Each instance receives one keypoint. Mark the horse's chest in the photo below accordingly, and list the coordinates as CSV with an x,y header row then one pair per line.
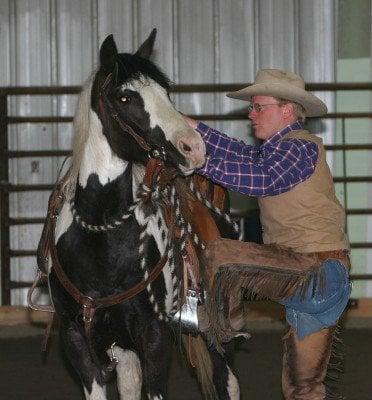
x,y
112,256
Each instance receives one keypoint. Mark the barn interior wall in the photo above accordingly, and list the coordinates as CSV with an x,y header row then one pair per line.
x,y
56,42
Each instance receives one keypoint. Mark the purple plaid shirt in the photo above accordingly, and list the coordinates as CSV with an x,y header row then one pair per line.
x,y
267,170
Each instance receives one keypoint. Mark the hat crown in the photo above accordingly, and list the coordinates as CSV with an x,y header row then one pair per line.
x,y
276,76
283,85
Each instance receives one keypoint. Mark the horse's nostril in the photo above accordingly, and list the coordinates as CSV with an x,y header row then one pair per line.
x,y
185,147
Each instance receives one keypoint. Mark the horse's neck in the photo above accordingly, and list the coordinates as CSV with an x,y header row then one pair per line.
x,y
96,202
104,186
98,157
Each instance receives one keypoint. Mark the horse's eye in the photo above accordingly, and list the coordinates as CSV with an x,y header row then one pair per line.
x,y
125,99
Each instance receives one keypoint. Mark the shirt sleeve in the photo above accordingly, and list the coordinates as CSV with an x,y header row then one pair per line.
x,y
277,169
221,146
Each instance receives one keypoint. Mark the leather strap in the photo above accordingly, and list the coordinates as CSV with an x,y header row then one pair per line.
x,y
107,301
215,193
113,113
47,246
339,254
196,213
54,207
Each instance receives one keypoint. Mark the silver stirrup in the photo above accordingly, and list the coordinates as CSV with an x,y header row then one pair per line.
x,y
187,315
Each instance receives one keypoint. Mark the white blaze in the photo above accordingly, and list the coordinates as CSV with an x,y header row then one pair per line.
x,y
161,110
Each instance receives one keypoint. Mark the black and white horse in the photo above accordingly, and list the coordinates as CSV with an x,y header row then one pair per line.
x,y
105,245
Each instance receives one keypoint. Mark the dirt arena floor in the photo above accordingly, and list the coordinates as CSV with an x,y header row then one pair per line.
x,y
25,375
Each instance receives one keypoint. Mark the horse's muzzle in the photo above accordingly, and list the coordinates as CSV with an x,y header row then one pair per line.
x,y
193,149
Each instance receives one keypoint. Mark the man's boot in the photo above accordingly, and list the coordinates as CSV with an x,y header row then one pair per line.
x,y
305,364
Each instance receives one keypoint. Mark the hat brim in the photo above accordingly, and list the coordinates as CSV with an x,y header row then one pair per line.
x,y
314,107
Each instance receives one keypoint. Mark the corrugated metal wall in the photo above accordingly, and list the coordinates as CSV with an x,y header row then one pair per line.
x,y
56,42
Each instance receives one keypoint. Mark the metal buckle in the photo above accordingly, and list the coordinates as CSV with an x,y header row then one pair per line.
x,y
87,309
156,153
113,359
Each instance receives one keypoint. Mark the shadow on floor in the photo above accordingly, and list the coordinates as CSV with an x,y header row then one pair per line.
x,y
23,374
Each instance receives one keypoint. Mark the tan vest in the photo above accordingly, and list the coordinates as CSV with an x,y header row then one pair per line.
x,y
308,217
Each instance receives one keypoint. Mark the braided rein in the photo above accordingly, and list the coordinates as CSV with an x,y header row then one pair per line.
x,y
168,195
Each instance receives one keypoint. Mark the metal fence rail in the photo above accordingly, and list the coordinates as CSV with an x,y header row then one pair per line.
x,y
6,187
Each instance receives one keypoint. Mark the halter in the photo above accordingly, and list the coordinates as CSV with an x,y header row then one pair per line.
x,y
104,100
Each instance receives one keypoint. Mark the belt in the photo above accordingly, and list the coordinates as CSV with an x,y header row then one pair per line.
x,y
340,254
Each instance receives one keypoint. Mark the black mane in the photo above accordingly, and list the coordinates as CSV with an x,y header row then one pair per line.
x,y
131,66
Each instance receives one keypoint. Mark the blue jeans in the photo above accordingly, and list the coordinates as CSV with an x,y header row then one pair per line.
x,y
324,301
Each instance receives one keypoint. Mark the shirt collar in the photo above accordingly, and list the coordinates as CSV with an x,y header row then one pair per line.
x,y
298,125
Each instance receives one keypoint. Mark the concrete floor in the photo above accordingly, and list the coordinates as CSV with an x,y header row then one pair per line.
x,y
25,375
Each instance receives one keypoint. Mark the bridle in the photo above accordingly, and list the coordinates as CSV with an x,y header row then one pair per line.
x,y
105,101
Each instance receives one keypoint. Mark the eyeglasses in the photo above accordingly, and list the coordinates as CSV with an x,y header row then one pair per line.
x,y
259,107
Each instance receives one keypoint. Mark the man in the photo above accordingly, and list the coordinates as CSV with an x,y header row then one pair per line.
x,y
289,175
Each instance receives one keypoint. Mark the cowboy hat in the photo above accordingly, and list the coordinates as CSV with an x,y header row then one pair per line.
x,y
285,85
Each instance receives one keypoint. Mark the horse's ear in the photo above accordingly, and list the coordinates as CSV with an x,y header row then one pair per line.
x,y
115,74
146,47
108,54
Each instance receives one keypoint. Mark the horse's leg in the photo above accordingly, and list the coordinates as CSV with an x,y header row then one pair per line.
x,y
78,354
225,382
97,392
155,359
129,374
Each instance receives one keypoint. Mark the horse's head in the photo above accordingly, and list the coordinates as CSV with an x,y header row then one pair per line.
x,y
130,96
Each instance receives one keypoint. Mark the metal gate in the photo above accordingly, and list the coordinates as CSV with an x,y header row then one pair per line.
x,y
7,187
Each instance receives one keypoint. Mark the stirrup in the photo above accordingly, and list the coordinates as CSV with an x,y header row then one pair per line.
x,y
38,307
187,315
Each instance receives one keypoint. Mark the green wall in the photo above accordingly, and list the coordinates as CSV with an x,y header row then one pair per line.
x,y
354,64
